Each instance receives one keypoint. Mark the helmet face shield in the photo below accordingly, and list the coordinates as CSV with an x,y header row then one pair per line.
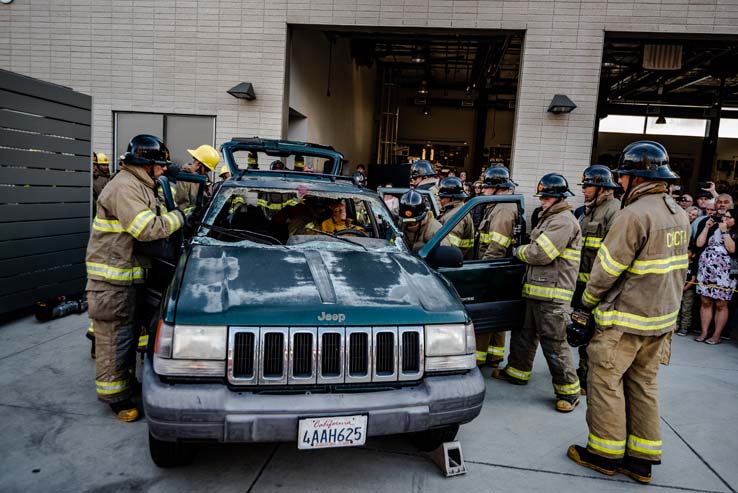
x,y
146,150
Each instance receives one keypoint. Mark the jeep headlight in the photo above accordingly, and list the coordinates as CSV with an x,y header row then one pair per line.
x,y
449,347
190,350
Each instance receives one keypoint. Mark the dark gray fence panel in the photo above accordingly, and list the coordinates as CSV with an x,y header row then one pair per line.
x,y
45,181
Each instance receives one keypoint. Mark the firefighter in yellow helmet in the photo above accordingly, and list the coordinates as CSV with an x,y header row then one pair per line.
x,y
100,173
204,160
552,258
633,293
127,213
338,220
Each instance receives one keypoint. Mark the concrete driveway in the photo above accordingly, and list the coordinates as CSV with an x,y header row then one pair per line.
x,y
55,436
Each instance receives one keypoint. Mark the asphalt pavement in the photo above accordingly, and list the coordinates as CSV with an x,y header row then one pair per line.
x,y
55,435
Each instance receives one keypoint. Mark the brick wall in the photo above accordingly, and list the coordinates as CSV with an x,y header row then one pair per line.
x,y
182,55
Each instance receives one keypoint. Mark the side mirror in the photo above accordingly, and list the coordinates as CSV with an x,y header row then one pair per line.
x,y
445,256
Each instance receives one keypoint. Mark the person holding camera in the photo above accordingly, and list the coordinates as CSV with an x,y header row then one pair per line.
x,y
715,284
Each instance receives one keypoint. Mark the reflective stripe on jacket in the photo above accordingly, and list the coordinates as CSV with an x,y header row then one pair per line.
x,y
637,278
552,255
497,230
127,210
462,236
595,224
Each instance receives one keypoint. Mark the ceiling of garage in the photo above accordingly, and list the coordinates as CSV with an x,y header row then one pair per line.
x,y
703,66
447,64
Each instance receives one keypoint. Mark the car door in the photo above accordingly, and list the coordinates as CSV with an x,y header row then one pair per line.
x,y
165,254
490,289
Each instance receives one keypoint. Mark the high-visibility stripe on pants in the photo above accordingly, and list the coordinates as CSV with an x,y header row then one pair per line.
x,y
613,448
650,447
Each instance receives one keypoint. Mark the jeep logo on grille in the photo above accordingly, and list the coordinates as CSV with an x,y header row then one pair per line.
x,y
331,317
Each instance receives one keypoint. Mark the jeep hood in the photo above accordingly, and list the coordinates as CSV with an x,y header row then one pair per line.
x,y
275,286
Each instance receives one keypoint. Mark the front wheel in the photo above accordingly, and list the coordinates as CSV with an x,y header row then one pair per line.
x,y
432,439
170,454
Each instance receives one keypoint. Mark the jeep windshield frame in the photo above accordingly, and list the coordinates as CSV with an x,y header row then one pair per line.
x,y
279,149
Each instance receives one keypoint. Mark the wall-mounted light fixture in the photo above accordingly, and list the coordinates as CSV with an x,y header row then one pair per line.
x,y
418,55
426,111
661,120
244,90
561,104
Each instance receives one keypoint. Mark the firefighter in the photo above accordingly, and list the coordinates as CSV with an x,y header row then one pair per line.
x,y
451,195
127,213
338,221
634,292
600,205
204,159
417,224
223,173
100,174
423,176
496,232
276,165
553,262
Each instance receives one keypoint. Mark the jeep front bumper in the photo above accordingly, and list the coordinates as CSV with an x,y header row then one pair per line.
x,y
213,412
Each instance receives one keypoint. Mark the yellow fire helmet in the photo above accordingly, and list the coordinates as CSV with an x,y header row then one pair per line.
x,y
224,169
207,155
100,158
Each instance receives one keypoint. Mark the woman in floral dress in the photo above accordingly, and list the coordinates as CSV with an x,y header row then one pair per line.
x,y
715,285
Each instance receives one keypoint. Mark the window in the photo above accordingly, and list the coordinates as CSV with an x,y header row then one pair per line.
x,y
179,132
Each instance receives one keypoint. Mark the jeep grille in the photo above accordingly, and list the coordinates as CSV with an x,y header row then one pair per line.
x,y
326,355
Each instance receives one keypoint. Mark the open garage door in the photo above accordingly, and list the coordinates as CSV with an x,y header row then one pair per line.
x,y
45,190
681,91
390,96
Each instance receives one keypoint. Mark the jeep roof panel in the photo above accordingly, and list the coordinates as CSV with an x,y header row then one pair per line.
x,y
280,148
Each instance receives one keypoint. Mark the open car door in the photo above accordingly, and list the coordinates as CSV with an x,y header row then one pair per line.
x,y
490,289
164,254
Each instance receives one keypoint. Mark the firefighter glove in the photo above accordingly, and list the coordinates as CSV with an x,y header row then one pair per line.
x,y
581,328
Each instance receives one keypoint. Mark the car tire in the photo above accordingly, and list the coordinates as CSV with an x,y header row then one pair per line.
x,y
432,439
170,454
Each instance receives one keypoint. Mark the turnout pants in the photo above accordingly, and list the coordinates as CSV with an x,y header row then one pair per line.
x,y
545,322
490,348
622,394
112,314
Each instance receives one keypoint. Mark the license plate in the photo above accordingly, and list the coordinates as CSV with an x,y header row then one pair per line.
x,y
338,431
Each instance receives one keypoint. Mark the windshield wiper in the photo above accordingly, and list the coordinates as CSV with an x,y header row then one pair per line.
x,y
336,237
242,234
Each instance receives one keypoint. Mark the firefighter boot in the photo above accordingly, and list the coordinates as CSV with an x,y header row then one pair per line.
x,y
125,410
566,404
500,374
638,469
585,458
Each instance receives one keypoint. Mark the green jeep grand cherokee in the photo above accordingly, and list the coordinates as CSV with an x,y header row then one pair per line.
x,y
270,329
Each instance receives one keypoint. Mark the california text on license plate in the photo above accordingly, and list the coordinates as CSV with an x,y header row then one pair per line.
x,y
326,432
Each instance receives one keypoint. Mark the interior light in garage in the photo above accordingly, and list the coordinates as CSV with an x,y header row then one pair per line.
x,y
423,89
244,90
661,120
561,104
418,55
426,111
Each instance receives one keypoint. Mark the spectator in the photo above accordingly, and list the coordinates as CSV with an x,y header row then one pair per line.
x,y
468,188
462,176
684,322
723,202
699,223
477,188
693,213
713,274
392,202
702,198
685,201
